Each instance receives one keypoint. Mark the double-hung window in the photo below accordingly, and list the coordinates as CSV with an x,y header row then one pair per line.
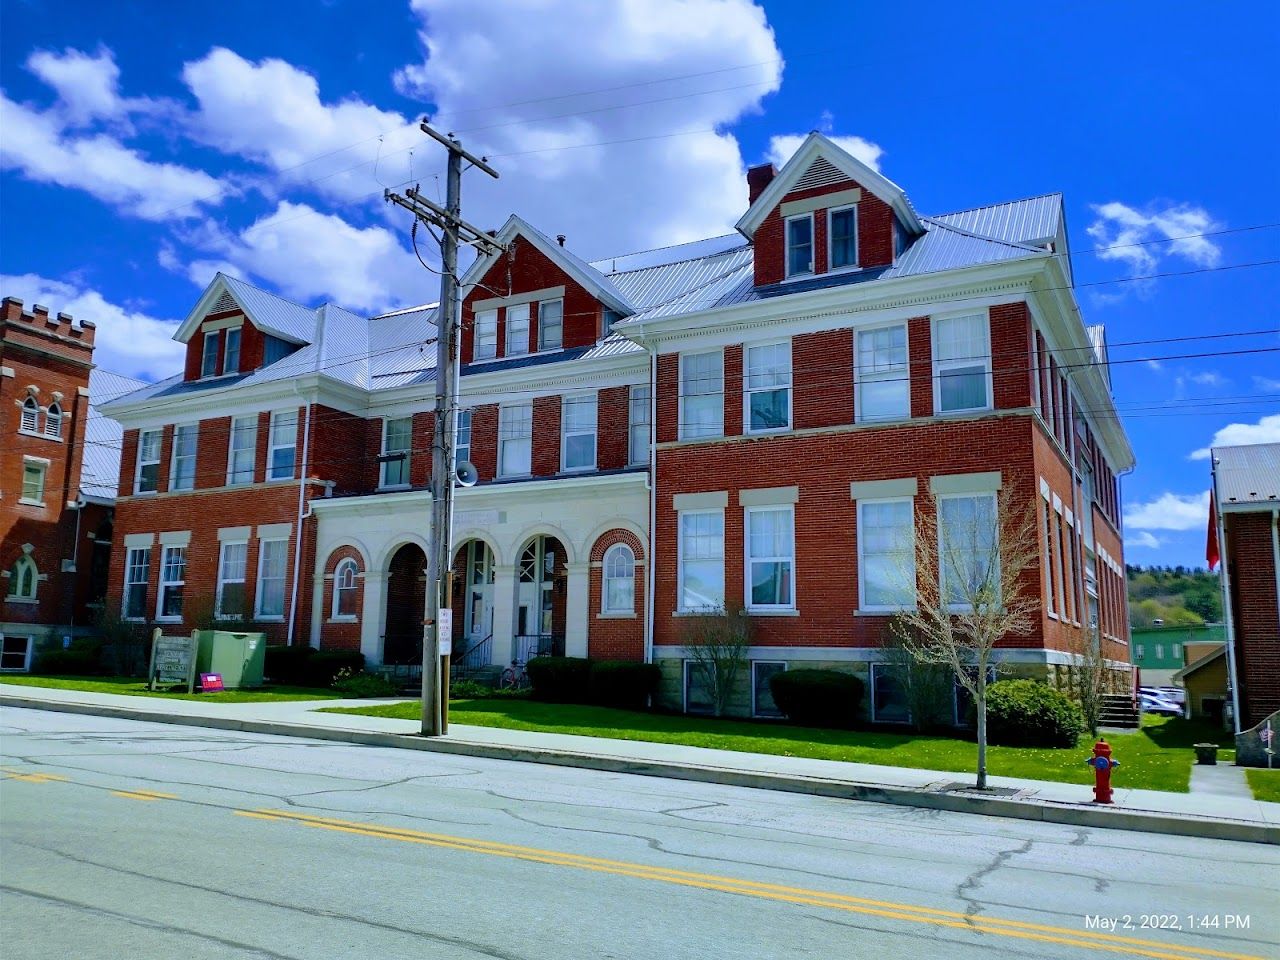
x,y
578,428
1050,560
209,357
284,441
486,332
33,474
701,395
961,363
397,435
768,387
244,448
231,575
771,552
515,439
701,555
272,559
231,352
619,579
886,555
182,472
638,417
969,550
173,578
800,245
344,591
550,324
517,329
882,374
147,479
842,237
137,574
462,438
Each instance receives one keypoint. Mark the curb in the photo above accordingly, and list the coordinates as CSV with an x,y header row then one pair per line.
x,y
1045,811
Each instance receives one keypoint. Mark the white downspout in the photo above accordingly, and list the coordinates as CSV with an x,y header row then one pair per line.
x,y
302,502
652,482
1228,613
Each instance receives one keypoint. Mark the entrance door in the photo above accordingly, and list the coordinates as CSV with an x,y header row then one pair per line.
x,y
538,623
478,610
406,606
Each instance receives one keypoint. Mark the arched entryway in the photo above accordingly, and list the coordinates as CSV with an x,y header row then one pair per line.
x,y
473,581
540,598
406,606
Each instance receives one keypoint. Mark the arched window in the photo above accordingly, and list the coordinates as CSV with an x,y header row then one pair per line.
x,y
53,421
344,589
23,579
619,579
30,415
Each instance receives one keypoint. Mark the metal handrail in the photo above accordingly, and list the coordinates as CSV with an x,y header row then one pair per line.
x,y
464,661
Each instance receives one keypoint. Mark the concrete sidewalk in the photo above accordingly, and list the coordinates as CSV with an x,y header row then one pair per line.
x,y
1205,815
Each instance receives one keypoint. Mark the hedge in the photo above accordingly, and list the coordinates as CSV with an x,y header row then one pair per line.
x,y
288,665
559,679
73,662
818,698
1029,713
625,684
322,667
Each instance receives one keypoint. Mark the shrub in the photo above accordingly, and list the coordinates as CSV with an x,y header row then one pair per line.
x,y
1028,713
322,667
363,685
559,679
287,664
818,698
77,661
469,690
623,683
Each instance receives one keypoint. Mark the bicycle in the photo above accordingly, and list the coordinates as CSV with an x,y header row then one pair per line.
x,y
515,677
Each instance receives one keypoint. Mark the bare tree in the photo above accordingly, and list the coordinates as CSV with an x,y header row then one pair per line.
x,y
1087,676
971,554
717,644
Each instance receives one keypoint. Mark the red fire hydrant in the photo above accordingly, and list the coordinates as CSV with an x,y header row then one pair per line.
x,y
1102,763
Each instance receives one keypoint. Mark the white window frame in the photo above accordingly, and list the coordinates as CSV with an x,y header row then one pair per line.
x,y
606,578
1050,549
166,584
14,592
386,451
941,366
144,462
335,604
755,704
871,692
462,427
278,418
505,414
53,422
680,560
857,253
543,343
226,350
209,358
251,450
639,424
942,569
176,457
130,569
1071,594
29,419
517,346
862,560
748,390
786,246
716,394
1175,650
565,433
260,587
861,377
42,465
747,513
485,343
26,658
223,579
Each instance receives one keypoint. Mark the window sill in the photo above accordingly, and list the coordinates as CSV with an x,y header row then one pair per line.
x,y
23,601
168,619
40,436
31,503
765,432
1051,615
705,612
350,619
882,611
586,469
515,476
847,268
797,277
394,488
145,493
967,412
280,479
772,612
615,616
263,618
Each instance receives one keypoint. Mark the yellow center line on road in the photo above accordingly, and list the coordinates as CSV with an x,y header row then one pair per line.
x,y
144,795
768,891
8,773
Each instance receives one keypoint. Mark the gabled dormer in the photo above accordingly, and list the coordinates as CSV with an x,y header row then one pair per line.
x,y
824,212
235,329
534,298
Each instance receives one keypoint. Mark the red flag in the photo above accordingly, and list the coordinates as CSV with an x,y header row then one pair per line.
x,y
1211,554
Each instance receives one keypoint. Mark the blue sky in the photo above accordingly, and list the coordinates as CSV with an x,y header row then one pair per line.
x,y
145,145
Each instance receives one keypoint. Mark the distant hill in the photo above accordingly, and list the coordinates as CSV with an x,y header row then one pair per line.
x,y
1179,596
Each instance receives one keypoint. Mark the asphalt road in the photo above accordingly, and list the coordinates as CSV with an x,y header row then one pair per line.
x,y
127,839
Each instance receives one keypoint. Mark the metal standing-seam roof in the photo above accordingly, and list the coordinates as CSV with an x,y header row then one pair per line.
x,y
1035,220
272,314
100,469
1248,474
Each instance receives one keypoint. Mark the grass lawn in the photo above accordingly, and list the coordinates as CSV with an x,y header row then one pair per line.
x,y
138,688
1158,757
1265,784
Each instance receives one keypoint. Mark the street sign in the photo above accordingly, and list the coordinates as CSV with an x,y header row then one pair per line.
x,y
173,661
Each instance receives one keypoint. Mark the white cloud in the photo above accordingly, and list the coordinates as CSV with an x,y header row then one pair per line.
x,y
127,340
1170,511
1124,233
1266,430
1268,384
310,256
1143,539
88,87
783,146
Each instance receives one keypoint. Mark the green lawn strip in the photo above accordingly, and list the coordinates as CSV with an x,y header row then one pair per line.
x,y
1265,784
134,687
1156,758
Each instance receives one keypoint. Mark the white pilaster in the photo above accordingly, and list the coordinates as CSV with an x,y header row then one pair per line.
x,y
372,614
576,613
317,608
504,617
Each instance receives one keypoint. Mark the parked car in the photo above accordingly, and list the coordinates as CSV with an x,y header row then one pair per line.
x,y
1176,694
1152,703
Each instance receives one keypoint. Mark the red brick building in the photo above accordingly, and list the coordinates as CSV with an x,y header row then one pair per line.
x,y
1246,495
815,379
58,465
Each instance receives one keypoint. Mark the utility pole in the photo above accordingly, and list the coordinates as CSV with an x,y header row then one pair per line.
x,y
435,678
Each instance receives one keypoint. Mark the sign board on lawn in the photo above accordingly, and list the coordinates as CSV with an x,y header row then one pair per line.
x,y
210,682
173,661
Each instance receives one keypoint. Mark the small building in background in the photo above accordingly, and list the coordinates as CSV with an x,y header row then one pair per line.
x,y
1160,652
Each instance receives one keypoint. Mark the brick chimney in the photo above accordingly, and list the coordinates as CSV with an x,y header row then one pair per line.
x,y
758,178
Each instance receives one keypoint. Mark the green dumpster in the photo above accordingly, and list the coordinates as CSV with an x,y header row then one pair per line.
x,y
239,657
